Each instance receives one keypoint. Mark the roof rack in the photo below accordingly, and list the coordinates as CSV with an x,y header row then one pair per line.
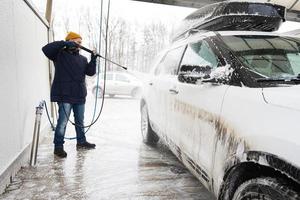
x,y
233,16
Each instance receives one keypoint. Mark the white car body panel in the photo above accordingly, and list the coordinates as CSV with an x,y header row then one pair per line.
x,y
259,127
190,127
290,99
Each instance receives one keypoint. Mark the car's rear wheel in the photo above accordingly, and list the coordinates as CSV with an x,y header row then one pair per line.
x,y
98,93
136,92
149,136
265,188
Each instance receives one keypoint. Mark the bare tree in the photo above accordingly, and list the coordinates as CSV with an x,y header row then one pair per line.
x,y
66,24
132,45
92,29
155,36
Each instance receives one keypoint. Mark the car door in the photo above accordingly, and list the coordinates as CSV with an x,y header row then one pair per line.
x,y
109,79
150,90
164,74
194,108
122,84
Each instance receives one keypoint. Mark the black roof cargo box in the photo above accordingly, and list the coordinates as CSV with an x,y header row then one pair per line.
x,y
234,16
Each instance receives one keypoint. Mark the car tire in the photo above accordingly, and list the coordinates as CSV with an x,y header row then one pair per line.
x,y
265,188
149,136
136,92
100,92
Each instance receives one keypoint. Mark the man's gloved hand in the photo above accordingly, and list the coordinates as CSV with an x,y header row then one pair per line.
x,y
71,44
94,55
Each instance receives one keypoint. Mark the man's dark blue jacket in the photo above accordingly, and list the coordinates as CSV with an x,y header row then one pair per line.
x,y
70,69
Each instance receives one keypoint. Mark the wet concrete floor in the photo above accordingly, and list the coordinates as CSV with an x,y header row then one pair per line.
x,y
121,166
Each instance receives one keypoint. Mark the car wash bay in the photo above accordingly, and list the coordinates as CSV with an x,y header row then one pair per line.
x,y
121,166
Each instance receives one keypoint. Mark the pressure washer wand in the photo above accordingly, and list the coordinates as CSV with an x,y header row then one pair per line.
x,y
90,51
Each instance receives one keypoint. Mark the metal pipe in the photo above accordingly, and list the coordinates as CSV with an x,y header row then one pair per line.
x,y
36,134
48,14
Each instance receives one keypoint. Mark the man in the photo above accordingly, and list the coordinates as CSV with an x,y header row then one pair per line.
x,y
68,88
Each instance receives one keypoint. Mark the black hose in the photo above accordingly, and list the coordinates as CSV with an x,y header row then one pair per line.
x,y
52,126
104,83
99,63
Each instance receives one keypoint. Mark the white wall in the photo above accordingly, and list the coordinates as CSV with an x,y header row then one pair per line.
x,y
24,77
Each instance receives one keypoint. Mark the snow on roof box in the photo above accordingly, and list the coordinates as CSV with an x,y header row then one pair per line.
x,y
234,16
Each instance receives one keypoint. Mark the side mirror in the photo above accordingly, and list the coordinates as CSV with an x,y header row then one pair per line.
x,y
221,74
204,74
192,73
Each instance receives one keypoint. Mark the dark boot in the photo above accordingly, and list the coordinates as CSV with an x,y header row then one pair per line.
x,y
60,152
85,145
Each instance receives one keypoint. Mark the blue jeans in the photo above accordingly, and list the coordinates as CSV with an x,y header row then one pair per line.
x,y
64,111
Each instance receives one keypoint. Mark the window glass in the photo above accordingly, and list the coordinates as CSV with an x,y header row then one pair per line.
x,y
169,65
109,77
269,64
159,67
199,55
294,59
271,56
120,77
208,56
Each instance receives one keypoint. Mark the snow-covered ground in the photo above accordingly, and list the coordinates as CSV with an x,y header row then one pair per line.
x,y
121,166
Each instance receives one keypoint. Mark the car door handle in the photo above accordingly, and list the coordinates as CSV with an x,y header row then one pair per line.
x,y
173,91
150,83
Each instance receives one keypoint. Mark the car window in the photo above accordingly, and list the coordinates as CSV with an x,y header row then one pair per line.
x,y
270,56
198,55
159,66
268,64
109,76
294,59
169,64
122,78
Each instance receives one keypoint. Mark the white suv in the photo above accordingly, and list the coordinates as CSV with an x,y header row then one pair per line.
x,y
227,104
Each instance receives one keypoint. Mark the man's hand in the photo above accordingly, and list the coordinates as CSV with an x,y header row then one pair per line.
x,y
94,55
71,44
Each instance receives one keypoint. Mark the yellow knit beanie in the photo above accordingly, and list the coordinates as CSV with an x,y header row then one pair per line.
x,y
71,35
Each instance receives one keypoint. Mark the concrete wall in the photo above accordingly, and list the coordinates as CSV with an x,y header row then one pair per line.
x,y
24,81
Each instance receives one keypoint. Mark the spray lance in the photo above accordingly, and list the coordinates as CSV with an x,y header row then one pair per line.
x,y
98,55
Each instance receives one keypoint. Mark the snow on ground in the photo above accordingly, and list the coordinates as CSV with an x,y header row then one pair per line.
x,y
121,166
